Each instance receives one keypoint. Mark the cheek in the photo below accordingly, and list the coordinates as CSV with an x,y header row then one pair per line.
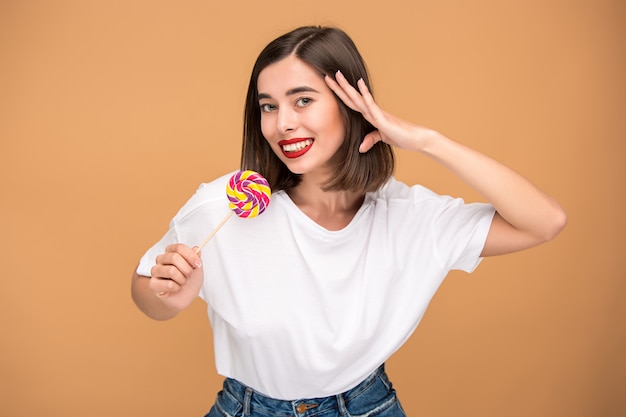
x,y
335,124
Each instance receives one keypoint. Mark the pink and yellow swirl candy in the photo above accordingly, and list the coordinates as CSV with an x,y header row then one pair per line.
x,y
248,193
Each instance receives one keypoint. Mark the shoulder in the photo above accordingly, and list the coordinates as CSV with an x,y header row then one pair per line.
x,y
398,190
207,194
419,201
214,188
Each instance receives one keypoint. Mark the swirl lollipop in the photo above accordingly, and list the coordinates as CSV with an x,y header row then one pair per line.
x,y
248,194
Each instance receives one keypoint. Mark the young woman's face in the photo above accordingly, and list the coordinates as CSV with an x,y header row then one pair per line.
x,y
300,117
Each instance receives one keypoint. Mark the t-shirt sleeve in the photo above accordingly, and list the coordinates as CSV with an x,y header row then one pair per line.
x,y
192,221
461,230
148,260
448,229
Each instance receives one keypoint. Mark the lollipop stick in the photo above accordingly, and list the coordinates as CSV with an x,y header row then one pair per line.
x,y
224,220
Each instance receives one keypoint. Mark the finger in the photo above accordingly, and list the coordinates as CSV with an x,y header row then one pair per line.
x,y
168,274
189,254
363,100
172,266
373,109
337,89
365,93
164,289
370,140
353,96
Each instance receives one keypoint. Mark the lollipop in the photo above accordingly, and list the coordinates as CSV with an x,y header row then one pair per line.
x,y
248,194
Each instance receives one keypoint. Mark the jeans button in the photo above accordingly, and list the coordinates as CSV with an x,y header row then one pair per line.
x,y
302,408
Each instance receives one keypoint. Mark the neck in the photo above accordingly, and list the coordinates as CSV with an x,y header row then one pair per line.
x,y
332,210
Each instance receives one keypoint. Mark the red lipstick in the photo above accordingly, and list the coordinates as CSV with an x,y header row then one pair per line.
x,y
295,147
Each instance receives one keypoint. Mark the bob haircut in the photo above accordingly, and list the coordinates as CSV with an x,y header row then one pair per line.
x,y
327,50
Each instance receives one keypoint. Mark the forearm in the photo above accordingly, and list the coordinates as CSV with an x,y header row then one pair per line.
x,y
517,200
147,301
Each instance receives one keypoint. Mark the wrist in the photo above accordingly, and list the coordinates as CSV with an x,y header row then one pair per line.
x,y
430,142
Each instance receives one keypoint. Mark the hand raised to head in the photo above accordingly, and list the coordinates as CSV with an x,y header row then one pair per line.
x,y
389,129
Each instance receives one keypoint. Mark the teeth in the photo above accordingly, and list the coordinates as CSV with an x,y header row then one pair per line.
x,y
294,147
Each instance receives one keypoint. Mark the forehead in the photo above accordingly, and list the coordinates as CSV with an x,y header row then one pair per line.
x,y
288,73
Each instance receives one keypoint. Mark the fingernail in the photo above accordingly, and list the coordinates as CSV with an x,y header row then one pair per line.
x,y
198,262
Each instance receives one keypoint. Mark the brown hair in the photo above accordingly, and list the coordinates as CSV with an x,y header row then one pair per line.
x,y
327,50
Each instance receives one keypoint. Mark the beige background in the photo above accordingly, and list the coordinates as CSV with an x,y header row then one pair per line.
x,y
112,112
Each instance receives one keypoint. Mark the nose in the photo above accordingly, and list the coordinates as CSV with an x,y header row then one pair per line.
x,y
286,120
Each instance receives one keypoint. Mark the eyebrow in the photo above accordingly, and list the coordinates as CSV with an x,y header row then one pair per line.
x,y
293,91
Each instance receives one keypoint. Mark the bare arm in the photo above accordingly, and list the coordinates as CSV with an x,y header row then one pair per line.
x,y
526,216
149,302
175,282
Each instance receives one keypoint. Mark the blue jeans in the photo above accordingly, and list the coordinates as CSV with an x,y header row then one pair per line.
x,y
373,397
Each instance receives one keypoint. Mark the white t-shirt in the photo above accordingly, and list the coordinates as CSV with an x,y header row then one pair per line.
x,y
299,311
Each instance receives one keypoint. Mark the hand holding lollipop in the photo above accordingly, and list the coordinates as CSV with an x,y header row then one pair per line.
x,y
248,194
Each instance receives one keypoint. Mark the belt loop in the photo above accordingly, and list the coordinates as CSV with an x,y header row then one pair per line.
x,y
246,401
342,405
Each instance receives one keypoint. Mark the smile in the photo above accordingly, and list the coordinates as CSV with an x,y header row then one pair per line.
x,y
294,148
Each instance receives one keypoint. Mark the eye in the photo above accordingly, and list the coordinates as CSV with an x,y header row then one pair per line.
x,y
266,107
303,101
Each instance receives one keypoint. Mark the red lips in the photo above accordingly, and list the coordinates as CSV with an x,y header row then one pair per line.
x,y
295,147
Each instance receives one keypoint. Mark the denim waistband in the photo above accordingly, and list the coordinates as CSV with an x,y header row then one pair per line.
x,y
246,395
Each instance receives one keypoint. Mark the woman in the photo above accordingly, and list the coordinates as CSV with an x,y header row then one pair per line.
x,y
308,300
